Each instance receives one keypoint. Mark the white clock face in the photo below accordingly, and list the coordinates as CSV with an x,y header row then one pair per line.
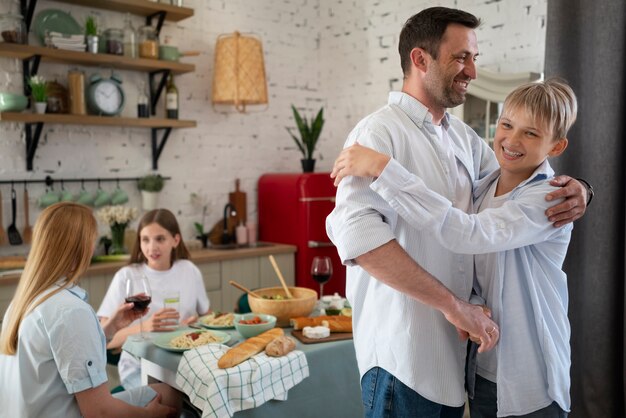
x,y
108,97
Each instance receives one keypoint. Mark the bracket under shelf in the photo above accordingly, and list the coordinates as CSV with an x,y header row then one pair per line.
x,y
32,140
157,147
155,93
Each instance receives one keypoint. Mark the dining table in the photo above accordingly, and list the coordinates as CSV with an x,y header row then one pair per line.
x,y
331,390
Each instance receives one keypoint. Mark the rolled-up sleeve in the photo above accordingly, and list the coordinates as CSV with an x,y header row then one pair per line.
x,y
362,220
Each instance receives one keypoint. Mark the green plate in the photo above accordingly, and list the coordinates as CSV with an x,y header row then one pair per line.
x,y
163,339
54,20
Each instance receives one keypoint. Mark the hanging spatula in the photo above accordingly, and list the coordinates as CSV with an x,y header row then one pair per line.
x,y
3,235
12,232
27,232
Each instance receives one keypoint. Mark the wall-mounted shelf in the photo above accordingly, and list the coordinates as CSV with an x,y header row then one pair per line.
x,y
137,7
27,52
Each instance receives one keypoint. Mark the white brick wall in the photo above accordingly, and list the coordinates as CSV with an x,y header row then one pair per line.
x,y
340,54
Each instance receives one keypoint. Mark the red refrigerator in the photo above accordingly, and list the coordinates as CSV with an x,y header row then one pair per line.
x,y
292,210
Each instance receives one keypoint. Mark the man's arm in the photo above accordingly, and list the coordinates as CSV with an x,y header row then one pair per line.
x,y
391,265
575,204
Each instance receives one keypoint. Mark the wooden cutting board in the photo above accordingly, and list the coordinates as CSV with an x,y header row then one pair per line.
x,y
334,336
238,200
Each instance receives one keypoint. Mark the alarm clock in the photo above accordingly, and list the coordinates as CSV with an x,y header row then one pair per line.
x,y
105,97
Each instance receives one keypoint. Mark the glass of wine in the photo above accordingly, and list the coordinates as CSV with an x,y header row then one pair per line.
x,y
321,270
138,292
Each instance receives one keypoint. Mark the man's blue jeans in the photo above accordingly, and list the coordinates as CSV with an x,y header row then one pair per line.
x,y
384,396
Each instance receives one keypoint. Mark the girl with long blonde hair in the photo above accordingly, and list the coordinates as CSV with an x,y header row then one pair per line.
x,y
52,348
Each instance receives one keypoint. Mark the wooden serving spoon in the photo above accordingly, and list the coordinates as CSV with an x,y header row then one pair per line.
x,y
280,276
245,289
27,232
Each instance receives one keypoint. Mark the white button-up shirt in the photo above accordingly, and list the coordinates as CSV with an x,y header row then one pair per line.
x,y
391,330
61,351
527,290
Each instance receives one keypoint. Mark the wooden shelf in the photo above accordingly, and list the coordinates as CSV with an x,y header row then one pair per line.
x,y
137,7
96,120
24,52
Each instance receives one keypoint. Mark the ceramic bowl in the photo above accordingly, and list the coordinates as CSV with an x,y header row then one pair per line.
x,y
252,330
302,304
12,102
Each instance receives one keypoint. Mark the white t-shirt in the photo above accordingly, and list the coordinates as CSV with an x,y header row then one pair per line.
x,y
184,277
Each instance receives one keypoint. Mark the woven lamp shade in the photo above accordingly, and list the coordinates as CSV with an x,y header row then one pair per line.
x,y
239,77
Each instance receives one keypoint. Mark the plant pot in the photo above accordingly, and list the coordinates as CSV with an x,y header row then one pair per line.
x,y
40,107
92,44
308,165
150,200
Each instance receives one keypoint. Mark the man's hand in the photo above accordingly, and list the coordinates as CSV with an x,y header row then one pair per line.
x,y
157,409
575,204
473,322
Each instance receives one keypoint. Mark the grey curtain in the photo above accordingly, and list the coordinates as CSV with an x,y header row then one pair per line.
x,y
585,44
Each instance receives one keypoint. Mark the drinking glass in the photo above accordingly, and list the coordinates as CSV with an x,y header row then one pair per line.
x,y
321,270
138,292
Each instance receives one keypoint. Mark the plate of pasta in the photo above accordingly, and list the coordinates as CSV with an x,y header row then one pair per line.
x,y
184,340
217,320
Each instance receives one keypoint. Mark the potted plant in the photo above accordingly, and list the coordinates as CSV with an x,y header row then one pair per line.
x,y
150,186
197,201
38,90
91,33
309,134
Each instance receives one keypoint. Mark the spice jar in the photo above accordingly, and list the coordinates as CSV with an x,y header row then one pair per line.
x,y
12,28
114,41
148,42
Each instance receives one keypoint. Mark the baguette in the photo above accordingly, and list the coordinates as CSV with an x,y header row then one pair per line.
x,y
336,323
248,348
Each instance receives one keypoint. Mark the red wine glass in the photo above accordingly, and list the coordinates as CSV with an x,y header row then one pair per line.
x,y
321,270
138,292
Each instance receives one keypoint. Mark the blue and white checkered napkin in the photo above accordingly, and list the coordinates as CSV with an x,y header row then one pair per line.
x,y
222,392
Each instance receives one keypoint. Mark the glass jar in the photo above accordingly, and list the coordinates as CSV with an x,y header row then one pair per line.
x,y
114,41
130,39
148,42
12,29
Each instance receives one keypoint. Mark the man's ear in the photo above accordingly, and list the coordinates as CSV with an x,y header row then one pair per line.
x,y
419,58
558,148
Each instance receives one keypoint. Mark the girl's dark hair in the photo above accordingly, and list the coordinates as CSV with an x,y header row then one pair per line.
x,y
425,30
166,220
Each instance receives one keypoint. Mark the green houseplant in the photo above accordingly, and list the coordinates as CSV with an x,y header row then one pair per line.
x,y
150,186
91,34
39,92
309,134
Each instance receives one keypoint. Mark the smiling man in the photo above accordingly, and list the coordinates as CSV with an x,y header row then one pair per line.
x,y
391,278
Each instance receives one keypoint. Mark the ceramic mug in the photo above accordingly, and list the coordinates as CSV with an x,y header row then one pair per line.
x,y
85,197
119,197
102,198
49,198
66,196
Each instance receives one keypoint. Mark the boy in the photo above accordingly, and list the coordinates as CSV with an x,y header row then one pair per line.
x,y
528,373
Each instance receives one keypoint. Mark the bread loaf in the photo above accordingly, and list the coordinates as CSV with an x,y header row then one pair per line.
x,y
248,348
280,346
336,323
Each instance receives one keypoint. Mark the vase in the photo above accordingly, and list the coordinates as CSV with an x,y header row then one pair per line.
x,y
308,165
149,200
92,44
40,107
117,238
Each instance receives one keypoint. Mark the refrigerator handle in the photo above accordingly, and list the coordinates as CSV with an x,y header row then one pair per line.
x,y
320,244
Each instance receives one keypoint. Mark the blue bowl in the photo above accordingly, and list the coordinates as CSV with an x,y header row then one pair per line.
x,y
252,330
12,102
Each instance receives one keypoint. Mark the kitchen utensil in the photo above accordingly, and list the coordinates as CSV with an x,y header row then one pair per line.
x,y
243,288
171,53
3,235
280,276
12,232
238,200
12,102
27,232
302,304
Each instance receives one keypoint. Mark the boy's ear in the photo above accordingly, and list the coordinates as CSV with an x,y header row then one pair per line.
x,y
419,58
558,148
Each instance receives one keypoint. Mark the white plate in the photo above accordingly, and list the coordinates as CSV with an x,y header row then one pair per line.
x,y
163,339
209,326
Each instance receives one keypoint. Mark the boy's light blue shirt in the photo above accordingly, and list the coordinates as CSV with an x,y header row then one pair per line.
x,y
61,351
533,351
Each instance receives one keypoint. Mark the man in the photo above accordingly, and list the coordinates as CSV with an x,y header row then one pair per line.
x,y
391,281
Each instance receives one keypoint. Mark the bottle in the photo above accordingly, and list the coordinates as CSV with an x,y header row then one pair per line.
x,y
130,39
143,110
171,99
241,234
